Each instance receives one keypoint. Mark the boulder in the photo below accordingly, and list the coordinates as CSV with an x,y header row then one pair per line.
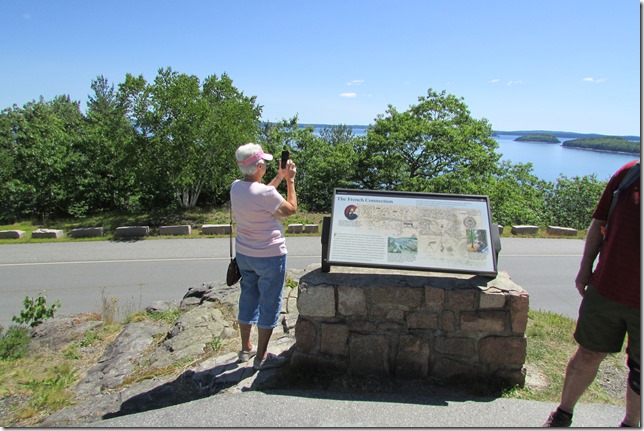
x,y
524,230
175,230
11,234
295,228
86,232
216,229
47,233
131,231
561,231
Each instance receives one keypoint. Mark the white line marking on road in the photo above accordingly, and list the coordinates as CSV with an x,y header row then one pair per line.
x,y
82,262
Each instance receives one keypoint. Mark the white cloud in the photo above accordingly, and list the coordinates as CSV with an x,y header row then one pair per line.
x,y
514,82
355,82
348,95
494,81
594,81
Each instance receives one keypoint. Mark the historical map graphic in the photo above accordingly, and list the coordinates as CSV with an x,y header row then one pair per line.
x,y
434,233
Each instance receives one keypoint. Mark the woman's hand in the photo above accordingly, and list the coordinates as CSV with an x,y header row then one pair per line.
x,y
289,171
289,206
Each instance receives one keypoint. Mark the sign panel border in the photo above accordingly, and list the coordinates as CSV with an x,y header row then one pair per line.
x,y
354,238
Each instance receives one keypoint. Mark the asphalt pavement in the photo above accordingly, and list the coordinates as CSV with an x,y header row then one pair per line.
x,y
312,409
137,273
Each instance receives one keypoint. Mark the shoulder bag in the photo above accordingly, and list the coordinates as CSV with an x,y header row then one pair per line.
x,y
233,275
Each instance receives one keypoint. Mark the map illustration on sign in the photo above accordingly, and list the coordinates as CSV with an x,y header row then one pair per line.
x,y
411,230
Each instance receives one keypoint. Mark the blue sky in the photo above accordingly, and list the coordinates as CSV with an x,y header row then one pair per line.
x,y
567,65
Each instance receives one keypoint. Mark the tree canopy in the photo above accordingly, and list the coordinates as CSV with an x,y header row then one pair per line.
x,y
169,144
434,146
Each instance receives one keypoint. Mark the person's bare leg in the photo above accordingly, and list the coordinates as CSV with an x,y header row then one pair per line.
x,y
244,330
632,417
264,335
580,373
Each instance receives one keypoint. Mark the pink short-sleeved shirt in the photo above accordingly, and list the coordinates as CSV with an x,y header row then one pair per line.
x,y
259,232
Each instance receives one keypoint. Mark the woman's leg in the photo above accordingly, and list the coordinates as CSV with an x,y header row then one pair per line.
x,y
248,300
244,330
271,288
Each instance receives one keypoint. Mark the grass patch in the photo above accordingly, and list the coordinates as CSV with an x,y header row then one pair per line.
x,y
549,348
42,380
168,316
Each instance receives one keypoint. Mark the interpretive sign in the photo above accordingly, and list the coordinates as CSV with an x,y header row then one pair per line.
x,y
419,231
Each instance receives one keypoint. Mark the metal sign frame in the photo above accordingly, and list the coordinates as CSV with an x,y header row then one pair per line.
x,y
410,230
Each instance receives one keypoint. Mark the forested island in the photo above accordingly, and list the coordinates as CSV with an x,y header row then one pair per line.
x,y
607,143
615,144
549,139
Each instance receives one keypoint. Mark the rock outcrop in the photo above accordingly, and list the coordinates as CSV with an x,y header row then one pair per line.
x,y
117,385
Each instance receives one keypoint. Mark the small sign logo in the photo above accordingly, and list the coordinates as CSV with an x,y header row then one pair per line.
x,y
350,212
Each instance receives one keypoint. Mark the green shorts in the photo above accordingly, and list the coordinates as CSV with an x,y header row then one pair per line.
x,y
603,324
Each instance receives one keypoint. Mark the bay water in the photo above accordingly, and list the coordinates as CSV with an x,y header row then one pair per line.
x,y
550,161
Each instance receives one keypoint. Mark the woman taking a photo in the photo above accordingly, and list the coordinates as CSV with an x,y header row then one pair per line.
x,y
260,249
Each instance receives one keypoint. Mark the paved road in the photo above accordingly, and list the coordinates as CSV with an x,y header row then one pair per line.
x,y
81,274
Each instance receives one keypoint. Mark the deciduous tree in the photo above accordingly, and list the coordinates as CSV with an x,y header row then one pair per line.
x,y
188,134
434,146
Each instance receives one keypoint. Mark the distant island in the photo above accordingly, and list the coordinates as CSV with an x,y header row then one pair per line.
x,y
607,143
560,134
540,137
587,141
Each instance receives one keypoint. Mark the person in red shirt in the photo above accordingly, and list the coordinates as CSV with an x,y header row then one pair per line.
x,y
610,307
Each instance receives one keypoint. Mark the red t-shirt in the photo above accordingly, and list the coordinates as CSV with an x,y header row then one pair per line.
x,y
617,275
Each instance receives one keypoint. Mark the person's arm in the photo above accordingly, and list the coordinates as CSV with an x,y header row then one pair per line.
x,y
289,206
594,239
277,180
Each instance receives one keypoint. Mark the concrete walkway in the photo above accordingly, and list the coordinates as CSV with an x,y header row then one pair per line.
x,y
295,409
244,404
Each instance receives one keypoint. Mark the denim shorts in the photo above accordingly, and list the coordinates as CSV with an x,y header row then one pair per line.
x,y
603,324
262,285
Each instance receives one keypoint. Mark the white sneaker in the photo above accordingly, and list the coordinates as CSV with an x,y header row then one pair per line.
x,y
245,356
270,361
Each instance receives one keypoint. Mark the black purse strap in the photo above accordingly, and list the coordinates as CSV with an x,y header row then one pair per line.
x,y
231,229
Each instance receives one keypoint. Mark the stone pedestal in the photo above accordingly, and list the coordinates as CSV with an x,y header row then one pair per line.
x,y
411,324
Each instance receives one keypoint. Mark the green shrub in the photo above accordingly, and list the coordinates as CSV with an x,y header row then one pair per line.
x,y
35,311
13,342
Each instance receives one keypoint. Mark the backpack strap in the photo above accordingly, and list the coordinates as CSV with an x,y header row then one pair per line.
x,y
631,176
